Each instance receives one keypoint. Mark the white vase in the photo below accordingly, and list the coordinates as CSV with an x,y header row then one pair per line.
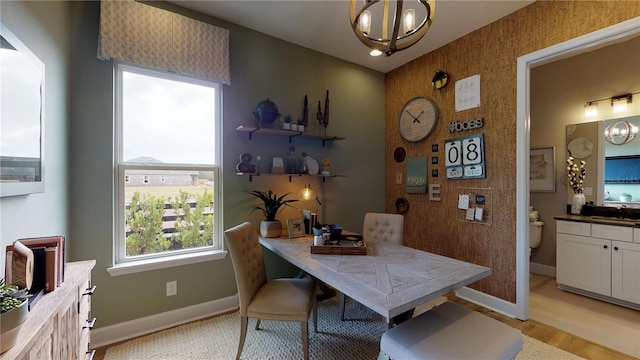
x,y
270,229
576,203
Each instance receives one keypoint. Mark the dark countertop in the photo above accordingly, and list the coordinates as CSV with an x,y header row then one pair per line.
x,y
600,220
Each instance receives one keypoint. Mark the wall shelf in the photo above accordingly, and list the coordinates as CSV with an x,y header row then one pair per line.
x,y
251,175
288,133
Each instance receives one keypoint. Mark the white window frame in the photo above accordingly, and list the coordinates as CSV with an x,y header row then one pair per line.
x,y
123,265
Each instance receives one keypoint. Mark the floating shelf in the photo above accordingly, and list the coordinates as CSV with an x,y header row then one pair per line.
x,y
251,175
288,133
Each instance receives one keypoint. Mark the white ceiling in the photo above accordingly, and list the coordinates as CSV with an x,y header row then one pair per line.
x,y
323,25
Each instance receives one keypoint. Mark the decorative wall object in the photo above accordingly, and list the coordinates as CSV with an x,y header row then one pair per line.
x,y
475,205
542,174
465,157
468,93
417,175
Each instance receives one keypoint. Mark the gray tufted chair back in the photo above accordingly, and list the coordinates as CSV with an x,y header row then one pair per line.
x,y
383,227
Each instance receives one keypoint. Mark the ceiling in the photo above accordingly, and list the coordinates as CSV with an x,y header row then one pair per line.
x,y
323,25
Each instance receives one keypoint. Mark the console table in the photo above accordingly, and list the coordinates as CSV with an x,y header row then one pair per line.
x,y
58,326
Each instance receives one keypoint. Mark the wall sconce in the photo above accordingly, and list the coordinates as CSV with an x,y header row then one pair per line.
x,y
591,109
620,133
619,103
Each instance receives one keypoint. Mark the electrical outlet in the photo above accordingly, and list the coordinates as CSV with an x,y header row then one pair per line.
x,y
399,178
172,288
588,191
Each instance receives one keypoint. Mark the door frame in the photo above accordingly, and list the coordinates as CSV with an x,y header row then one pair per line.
x,y
610,35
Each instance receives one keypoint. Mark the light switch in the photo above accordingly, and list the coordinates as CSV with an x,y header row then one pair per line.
x,y
588,191
399,178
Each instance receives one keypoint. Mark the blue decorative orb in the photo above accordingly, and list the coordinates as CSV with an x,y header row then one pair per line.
x,y
266,113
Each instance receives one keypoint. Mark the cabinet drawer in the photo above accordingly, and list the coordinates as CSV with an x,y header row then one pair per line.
x,y
573,228
610,232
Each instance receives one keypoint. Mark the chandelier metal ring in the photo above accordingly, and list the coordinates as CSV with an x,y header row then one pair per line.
x,y
620,133
394,42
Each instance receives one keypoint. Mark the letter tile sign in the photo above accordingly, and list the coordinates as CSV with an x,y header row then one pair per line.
x,y
465,157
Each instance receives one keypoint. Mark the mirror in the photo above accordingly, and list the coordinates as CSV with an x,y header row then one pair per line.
x,y
616,166
21,118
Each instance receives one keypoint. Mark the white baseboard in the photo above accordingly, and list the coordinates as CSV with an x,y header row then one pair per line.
x,y
541,269
488,301
130,329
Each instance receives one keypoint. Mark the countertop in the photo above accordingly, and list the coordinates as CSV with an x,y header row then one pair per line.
x,y
600,220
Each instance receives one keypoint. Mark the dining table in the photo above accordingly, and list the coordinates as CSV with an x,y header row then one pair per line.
x,y
389,279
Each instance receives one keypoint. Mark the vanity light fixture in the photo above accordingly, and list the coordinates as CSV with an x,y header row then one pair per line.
x,y
619,103
620,132
591,109
382,42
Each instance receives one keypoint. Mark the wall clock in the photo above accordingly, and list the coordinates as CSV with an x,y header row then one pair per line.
x,y
417,119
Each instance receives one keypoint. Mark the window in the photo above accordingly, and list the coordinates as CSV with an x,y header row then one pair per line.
x,y
167,174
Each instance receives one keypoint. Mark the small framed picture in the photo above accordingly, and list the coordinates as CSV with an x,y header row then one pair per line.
x,y
295,227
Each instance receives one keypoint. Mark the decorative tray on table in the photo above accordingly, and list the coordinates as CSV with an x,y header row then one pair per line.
x,y
343,245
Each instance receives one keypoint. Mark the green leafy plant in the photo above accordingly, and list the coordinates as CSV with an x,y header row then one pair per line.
x,y
626,195
11,297
272,203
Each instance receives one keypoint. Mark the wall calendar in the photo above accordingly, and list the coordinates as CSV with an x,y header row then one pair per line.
x,y
464,157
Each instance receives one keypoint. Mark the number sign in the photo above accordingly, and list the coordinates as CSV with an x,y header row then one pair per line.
x,y
464,157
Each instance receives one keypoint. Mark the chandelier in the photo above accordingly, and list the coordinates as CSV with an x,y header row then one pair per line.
x,y
381,41
620,132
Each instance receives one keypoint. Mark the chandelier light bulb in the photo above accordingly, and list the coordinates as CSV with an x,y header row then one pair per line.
x,y
409,20
365,22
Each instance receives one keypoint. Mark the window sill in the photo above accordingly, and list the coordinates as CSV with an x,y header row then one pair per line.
x,y
163,263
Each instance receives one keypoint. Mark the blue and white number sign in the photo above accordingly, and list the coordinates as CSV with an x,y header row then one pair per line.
x,y
465,157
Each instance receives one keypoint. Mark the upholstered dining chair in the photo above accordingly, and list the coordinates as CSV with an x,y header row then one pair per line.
x,y
379,227
279,299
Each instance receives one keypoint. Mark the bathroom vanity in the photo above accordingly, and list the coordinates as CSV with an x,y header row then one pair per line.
x,y
599,257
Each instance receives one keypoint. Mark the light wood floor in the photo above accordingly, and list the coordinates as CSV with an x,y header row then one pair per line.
x,y
609,325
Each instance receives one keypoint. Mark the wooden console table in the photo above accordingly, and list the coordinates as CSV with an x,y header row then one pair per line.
x,y
58,326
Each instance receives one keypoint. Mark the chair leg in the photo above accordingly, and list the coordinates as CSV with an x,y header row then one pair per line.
x,y
343,301
304,331
315,315
243,335
257,324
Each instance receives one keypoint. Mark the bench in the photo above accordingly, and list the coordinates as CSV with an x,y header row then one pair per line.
x,y
451,331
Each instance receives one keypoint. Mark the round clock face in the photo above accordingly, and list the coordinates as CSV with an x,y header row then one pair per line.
x,y
418,118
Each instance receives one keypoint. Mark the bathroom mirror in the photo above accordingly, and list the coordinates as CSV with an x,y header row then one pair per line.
x,y
616,167
21,118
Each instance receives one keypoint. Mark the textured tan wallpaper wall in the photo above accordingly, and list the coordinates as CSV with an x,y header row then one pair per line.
x,y
492,53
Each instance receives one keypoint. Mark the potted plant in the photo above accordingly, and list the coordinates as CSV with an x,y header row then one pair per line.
x,y
625,197
272,205
13,313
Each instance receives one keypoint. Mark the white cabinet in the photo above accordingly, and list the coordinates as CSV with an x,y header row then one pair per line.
x,y
599,259
625,271
584,263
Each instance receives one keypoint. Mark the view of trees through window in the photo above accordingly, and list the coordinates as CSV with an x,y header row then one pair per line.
x,y
167,172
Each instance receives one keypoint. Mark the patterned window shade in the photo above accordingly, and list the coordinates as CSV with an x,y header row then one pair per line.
x,y
145,35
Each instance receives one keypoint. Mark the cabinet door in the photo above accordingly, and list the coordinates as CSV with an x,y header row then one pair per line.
x,y
625,271
584,263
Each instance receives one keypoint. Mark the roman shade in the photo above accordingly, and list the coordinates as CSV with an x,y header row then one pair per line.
x,y
145,35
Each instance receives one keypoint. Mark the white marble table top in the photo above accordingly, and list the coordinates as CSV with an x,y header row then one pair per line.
x,y
390,279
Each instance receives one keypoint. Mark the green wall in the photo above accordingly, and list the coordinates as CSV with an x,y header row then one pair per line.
x,y
261,67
